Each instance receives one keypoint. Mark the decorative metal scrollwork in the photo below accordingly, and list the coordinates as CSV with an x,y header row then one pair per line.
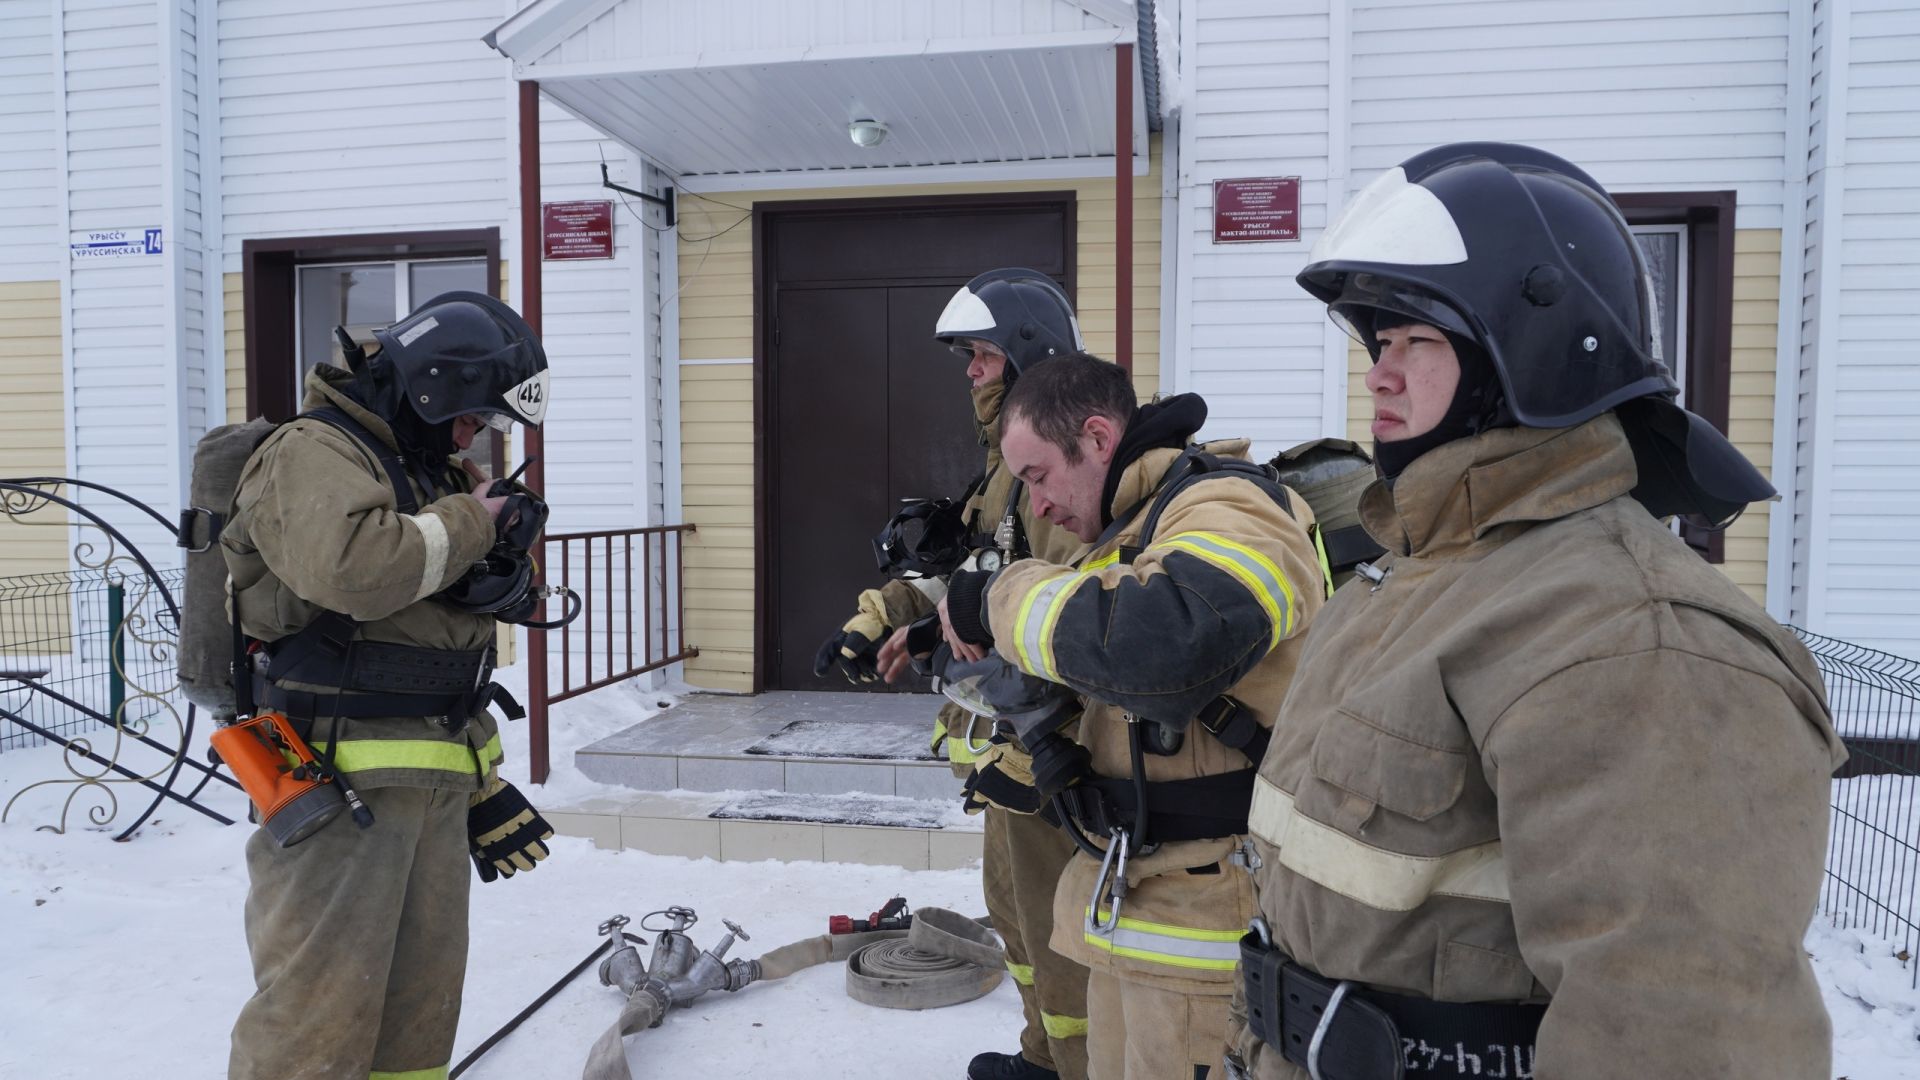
x,y
142,621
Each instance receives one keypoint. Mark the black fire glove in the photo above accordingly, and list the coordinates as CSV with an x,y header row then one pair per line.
x,y
1058,764
856,657
505,832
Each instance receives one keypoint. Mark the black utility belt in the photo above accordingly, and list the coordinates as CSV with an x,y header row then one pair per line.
x,y
382,667
1342,1031
454,710
1200,808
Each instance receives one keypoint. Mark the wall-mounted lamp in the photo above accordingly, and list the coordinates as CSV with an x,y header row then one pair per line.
x,y
867,134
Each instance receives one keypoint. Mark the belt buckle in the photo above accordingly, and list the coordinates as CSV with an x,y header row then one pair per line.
x,y
1320,1030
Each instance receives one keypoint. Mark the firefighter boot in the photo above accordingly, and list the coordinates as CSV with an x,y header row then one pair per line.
x,y
992,1066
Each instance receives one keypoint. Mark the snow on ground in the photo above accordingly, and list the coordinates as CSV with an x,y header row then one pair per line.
x,y
128,959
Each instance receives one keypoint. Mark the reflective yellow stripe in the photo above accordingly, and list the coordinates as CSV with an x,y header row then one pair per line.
x,y
1033,627
1063,1027
1111,558
1386,880
1174,946
1254,570
1022,973
1320,549
360,755
415,1074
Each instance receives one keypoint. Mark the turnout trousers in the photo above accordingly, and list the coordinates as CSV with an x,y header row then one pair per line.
x,y
1022,861
359,944
1142,1032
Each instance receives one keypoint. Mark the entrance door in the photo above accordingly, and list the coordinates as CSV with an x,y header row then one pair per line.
x,y
864,409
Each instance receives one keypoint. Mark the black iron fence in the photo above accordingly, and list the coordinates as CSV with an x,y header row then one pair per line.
x,y
1873,857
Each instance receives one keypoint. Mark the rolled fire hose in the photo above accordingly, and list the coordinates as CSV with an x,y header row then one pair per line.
x,y
944,959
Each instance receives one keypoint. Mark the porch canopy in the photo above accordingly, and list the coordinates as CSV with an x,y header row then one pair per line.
x,y
742,94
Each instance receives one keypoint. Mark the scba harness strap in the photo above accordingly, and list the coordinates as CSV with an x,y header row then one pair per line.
x,y
1198,808
368,679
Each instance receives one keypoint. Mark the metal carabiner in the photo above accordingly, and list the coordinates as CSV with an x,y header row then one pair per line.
x,y
1106,883
966,739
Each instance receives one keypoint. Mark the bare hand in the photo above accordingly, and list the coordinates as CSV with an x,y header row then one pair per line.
x,y
962,650
893,660
481,482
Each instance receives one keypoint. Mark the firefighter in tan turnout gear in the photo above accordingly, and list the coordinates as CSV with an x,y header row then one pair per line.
x,y
1548,796
358,559
1004,322
1176,632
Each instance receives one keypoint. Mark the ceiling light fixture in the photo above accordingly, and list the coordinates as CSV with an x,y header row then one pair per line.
x,y
867,134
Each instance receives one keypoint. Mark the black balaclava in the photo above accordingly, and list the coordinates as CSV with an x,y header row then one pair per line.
x,y
1478,401
1161,424
375,387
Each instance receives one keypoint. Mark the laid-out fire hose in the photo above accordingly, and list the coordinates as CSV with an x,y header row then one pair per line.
x,y
942,958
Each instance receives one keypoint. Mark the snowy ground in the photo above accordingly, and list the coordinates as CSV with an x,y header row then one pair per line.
x,y
127,959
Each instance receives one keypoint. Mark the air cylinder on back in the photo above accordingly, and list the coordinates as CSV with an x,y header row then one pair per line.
x,y
206,633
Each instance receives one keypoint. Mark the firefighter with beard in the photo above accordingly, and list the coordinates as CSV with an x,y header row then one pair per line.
x,y
1176,631
1549,794
348,527
1004,323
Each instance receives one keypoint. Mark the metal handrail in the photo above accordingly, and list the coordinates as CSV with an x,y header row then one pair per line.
x,y
657,590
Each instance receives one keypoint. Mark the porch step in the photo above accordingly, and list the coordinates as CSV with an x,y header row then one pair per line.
x,y
915,834
783,741
835,777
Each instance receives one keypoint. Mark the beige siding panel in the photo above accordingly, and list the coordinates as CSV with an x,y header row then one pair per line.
x,y
716,323
33,429
1756,315
234,305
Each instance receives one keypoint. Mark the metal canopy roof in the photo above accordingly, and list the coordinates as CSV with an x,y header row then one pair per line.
x,y
756,91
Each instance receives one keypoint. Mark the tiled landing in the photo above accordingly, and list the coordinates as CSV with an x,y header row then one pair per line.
x,y
702,745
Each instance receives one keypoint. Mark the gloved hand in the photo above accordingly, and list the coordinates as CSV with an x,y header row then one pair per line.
x,y
1058,764
856,647
856,655
1001,777
505,831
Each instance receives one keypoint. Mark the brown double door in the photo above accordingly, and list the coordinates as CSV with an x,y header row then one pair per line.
x,y
863,409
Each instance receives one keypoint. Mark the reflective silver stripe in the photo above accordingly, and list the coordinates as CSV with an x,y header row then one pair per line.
x,y
1175,946
1252,568
433,533
1375,877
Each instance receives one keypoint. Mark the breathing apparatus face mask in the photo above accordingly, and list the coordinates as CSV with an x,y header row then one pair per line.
x,y
1032,706
501,583
925,539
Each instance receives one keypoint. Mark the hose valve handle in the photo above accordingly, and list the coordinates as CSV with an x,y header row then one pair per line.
x,y
733,931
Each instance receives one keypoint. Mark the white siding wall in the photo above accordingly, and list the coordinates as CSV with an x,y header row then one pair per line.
x,y
1647,95
1255,76
125,386
354,116
602,438
1873,244
186,233
1807,503
32,236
